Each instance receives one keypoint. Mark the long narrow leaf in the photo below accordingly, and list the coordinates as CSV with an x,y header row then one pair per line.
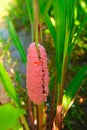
x,y
7,84
70,5
44,7
51,28
16,41
59,15
47,19
73,87
30,10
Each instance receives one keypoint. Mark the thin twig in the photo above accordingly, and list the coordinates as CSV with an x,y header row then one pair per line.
x,y
31,116
52,110
25,123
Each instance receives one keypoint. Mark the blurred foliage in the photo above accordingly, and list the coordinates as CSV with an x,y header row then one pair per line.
x,y
9,117
10,80
10,65
16,41
19,14
76,116
80,16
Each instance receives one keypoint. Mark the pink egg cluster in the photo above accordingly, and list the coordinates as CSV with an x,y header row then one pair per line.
x,y
37,76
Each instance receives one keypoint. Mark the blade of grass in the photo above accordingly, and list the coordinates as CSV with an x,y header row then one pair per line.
x,y
47,20
30,10
53,102
70,6
59,15
8,85
69,19
51,28
16,41
31,17
73,88
45,8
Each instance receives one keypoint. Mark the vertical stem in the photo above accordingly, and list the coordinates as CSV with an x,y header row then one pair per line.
x,y
24,122
52,109
58,118
32,32
40,32
36,22
35,114
36,17
40,117
63,73
31,117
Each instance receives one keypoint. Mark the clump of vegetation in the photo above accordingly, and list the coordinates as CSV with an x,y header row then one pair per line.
x,y
63,24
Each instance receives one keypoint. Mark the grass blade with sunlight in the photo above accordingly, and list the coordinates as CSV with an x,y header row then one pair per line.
x,y
73,88
47,20
16,41
30,10
8,85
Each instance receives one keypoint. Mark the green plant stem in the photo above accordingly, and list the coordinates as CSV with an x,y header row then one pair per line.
x,y
40,33
32,32
64,67
40,124
58,117
25,123
29,10
52,109
36,17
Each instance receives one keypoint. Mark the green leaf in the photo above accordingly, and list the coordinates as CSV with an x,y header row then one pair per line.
x,y
59,15
30,10
9,116
8,85
70,6
16,41
73,88
51,28
47,19
44,8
